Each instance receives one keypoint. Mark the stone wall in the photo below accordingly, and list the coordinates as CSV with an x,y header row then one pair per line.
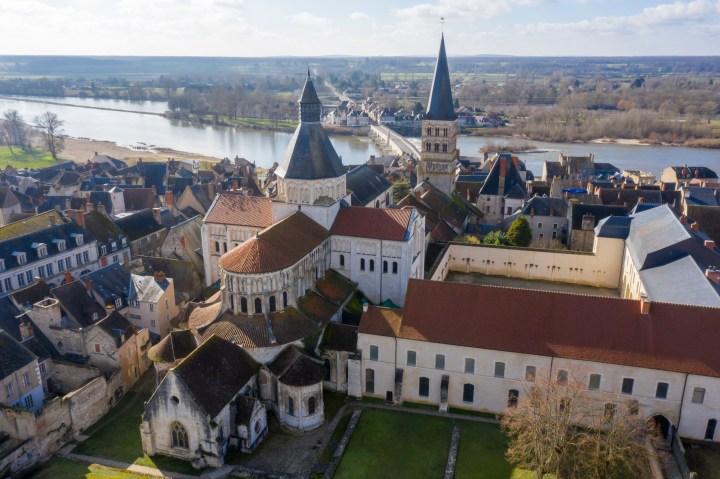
x,y
69,376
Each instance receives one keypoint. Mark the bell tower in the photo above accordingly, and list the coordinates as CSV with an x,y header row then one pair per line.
x,y
439,130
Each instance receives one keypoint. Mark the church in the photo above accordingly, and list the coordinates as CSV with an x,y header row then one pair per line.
x,y
288,265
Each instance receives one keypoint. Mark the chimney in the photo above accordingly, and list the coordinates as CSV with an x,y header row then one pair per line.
x,y
641,200
68,277
211,190
26,330
101,208
709,244
183,240
365,307
416,193
88,284
683,219
532,211
503,167
126,261
52,219
156,214
78,216
37,279
160,277
663,186
713,274
103,261
695,227
644,305
169,198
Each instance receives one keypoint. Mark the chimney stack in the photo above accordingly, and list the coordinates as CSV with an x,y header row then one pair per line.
x,y
103,261
365,307
713,274
78,216
683,219
156,214
183,240
644,305
101,209
160,277
695,227
88,284
169,198
709,244
68,277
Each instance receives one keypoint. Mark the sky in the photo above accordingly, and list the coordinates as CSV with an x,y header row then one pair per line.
x,y
251,28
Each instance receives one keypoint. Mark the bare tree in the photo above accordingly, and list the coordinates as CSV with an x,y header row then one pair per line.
x,y
14,132
558,428
51,130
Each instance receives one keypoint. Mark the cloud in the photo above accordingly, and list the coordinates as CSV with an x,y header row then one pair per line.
x,y
665,14
307,18
359,16
461,10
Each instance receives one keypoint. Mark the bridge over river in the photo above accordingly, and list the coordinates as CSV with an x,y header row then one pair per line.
x,y
391,142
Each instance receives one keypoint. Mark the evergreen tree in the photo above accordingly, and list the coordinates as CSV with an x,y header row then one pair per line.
x,y
497,238
519,233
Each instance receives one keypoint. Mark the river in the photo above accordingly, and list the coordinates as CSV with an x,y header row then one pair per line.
x,y
141,126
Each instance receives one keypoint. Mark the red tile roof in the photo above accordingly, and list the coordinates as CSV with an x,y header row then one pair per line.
x,y
590,328
239,210
201,314
378,223
277,247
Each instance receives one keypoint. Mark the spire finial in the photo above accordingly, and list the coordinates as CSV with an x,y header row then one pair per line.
x,y
308,71
442,25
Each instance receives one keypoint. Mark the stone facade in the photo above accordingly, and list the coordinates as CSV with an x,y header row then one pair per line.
x,y
439,151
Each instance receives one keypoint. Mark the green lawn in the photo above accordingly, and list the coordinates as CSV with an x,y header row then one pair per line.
x,y
397,445
703,458
402,445
34,158
118,438
57,468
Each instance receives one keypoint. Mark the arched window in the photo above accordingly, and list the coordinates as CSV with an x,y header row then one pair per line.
x,y
217,246
437,131
377,203
342,260
243,304
513,396
428,146
429,131
257,427
290,406
445,147
385,267
179,435
370,381
362,264
468,393
232,302
258,306
284,299
424,387
272,303
437,147
372,265
387,199
224,247
445,131
395,267
311,405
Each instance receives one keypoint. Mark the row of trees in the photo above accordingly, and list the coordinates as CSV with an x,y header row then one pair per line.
x,y
519,234
15,133
558,428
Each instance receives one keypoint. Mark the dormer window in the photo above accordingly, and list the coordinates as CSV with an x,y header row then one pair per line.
x,y
113,246
95,316
103,250
41,249
78,239
123,241
2,265
118,303
60,243
20,257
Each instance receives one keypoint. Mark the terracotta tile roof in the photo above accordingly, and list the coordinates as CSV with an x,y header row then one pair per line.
x,y
236,209
381,321
378,223
609,330
199,315
215,372
317,308
335,286
252,332
277,247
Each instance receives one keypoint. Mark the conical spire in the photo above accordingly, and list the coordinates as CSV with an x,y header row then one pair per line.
x,y
440,105
310,105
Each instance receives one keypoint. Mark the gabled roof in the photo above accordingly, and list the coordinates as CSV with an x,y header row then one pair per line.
x,y
138,198
578,210
502,178
173,347
103,228
117,327
14,355
545,206
7,197
277,247
294,368
215,373
653,231
139,224
366,185
440,105
236,209
110,283
76,302
389,224
340,337
662,284
613,227
31,294
147,288
612,330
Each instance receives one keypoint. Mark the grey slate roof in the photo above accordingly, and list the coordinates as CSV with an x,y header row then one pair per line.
x,y
13,355
440,105
294,368
545,206
310,155
653,233
215,372
78,304
139,224
493,184
366,185
110,283
578,210
613,227
145,288
662,284
701,196
8,320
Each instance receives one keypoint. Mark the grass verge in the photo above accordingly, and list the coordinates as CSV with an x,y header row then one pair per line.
x,y
58,468
34,158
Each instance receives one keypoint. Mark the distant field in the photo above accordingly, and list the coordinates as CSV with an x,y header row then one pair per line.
x,y
34,158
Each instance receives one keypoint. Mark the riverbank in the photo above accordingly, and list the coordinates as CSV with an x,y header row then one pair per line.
x,y
81,150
